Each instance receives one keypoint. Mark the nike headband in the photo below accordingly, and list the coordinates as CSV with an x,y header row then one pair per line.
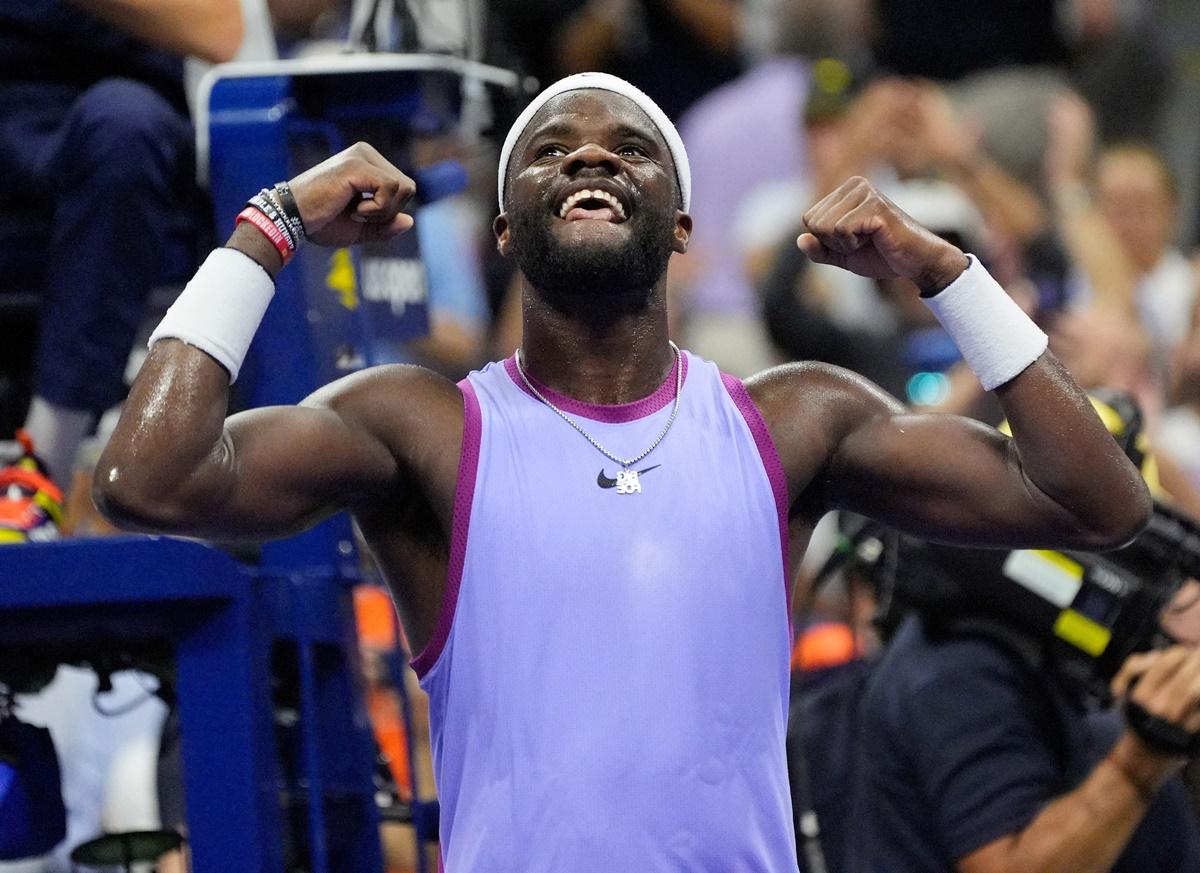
x,y
602,82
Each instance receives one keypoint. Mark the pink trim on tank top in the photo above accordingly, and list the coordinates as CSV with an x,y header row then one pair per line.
x,y
617,413
464,495
774,468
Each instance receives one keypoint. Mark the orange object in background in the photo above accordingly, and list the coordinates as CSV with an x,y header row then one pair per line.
x,y
375,616
828,644
383,708
377,633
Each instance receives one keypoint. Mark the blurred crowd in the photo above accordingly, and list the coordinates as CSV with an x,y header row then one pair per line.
x,y
1043,136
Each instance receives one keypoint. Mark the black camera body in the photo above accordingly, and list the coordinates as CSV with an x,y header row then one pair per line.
x,y
1087,612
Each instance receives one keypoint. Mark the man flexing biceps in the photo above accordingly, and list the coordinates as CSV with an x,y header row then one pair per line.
x,y
607,666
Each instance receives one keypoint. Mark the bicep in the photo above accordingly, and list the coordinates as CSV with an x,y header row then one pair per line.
x,y
848,444
292,466
938,475
273,471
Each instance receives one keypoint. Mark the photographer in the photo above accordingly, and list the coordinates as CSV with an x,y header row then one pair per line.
x,y
991,730
977,762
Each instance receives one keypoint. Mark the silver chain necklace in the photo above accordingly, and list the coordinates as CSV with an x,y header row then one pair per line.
x,y
627,479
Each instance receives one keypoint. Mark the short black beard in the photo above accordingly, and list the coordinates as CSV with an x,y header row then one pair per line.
x,y
595,284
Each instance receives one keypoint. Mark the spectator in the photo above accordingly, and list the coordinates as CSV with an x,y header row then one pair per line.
x,y
872,328
1109,49
899,133
957,726
1137,195
843,133
93,733
741,136
458,316
95,148
983,749
1120,64
674,50
951,145
744,139
1010,57
1122,242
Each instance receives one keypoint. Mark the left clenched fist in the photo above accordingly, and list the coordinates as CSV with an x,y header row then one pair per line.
x,y
858,229
353,197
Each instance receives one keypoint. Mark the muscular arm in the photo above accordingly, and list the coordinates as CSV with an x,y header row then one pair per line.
x,y
176,464
208,29
1060,481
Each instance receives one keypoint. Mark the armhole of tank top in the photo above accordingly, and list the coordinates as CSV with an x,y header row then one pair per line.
x,y
774,469
464,496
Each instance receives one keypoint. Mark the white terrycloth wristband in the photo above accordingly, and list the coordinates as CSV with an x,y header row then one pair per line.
x,y
220,309
996,338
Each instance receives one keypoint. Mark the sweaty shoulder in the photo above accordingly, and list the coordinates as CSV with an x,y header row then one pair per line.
x,y
809,407
413,412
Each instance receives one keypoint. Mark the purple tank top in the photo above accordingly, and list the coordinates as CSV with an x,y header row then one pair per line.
x,y
608,680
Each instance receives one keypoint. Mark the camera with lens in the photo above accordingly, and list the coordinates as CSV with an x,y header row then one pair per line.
x,y
1078,615
1088,611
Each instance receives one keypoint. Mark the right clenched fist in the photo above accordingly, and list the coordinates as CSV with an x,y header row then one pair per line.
x,y
355,196
858,229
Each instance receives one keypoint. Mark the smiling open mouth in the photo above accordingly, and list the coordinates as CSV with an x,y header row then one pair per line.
x,y
592,204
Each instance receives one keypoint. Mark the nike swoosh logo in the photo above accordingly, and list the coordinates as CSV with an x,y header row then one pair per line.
x,y
604,482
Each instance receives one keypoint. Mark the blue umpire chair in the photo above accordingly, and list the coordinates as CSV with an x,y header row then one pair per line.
x,y
262,658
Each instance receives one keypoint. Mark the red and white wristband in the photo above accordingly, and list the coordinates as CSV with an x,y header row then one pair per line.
x,y
283,244
274,212
220,309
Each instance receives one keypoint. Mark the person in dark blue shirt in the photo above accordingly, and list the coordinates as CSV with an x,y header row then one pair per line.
x,y
975,760
96,170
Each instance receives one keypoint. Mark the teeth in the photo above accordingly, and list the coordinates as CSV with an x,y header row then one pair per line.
x,y
579,196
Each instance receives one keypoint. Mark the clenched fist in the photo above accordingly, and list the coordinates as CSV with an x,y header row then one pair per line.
x,y
353,197
859,229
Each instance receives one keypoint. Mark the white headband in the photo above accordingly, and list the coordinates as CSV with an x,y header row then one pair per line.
x,y
602,82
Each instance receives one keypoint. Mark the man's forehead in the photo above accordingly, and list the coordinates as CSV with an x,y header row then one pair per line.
x,y
609,108
588,107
